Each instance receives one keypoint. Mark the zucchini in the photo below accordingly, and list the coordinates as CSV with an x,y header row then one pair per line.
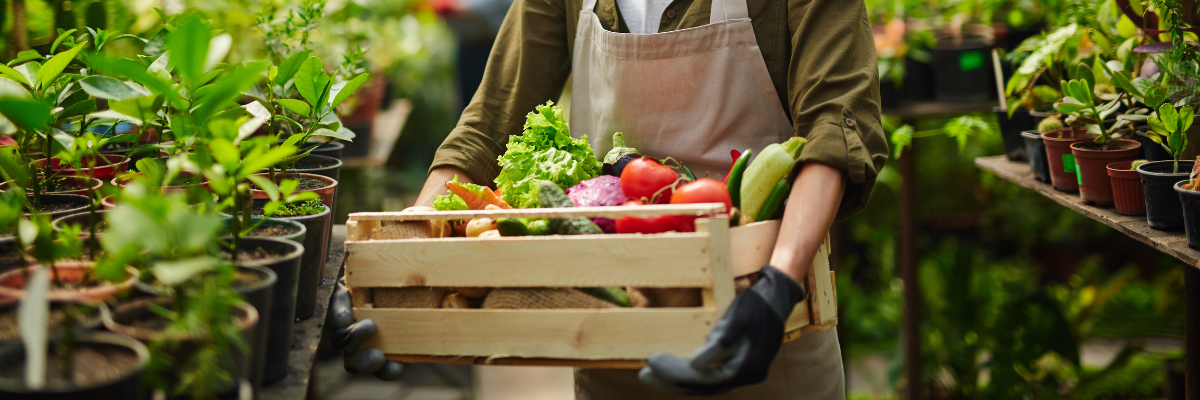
x,y
511,227
774,204
540,227
734,183
775,162
613,295
550,195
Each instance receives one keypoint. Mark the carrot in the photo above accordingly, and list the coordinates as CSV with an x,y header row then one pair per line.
x,y
494,198
475,201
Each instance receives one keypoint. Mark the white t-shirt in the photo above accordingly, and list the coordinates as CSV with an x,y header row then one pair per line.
x,y
642,16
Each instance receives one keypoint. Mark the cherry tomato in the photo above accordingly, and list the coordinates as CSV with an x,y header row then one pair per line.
x,y
644,177
703,190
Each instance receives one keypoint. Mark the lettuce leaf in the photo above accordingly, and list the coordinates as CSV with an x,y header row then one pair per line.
x,y
545,150
451,201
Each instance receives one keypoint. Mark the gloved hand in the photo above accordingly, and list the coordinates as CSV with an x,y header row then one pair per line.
x,y
350,335
740,347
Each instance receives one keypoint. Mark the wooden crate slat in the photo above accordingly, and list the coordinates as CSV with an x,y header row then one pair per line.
x,y
751,246
575,334
679,260
656,210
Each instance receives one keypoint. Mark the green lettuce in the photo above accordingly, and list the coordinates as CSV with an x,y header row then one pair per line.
x,y
545,150
451,201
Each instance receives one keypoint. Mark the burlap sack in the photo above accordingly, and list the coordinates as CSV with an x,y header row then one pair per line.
x,y
409,297
637,298
542,298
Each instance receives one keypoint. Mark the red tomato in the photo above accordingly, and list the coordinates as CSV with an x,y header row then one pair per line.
x,y
644,177
703,190
645,225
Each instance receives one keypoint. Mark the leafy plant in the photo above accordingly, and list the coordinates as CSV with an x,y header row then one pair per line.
x,y
1169,129
1085,108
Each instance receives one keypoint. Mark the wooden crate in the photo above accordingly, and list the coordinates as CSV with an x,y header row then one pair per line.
x,y
403,255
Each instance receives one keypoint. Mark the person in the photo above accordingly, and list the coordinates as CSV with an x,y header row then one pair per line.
x,y
693,79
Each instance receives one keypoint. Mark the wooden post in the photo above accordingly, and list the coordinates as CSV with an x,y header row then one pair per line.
x,y
908,273
1191,329
20,31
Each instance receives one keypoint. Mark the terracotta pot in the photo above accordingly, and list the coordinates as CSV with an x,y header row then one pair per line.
x,y
1058,148
1128,195
74,180
122,180
12,283
1091,160
326,193
106,168
109,202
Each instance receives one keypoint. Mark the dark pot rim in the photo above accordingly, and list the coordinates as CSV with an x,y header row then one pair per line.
x,y
1099,153
57,223
274,220
109,315
1057,135
332,183
1179,188
297,251
107,338
1031,134
64,196
1166,174
157,290
304,170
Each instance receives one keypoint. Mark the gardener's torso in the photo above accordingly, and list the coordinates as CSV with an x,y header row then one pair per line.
x,y
692,94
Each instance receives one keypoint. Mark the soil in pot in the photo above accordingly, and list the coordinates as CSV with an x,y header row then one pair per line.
x,y
82,220
72,282
1163,208
106,366
321,185
1011,129
283,258
1190,200
1092,159
1036,150
312,264
10,331
61,205
1061,161
135,319
1128,195
65,185
277,228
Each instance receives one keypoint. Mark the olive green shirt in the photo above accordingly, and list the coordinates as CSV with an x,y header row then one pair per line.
x,y
820,55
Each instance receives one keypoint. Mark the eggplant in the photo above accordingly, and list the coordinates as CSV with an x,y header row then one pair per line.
x,y
615,168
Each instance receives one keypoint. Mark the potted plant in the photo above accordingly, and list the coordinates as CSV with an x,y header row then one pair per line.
x,y
1057,139
1169,127
316,218
1128,195
1035,148
1084,107
1189,197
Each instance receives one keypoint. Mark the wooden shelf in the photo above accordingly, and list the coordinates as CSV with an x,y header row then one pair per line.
x,y
306,334
917,110
1172,243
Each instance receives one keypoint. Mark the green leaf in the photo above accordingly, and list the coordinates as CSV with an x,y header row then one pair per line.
x,y
138,73
272,157
24,113
10,73
333,134
347,89
311,80
296,106
111,88
142,108
225,153
287,70
114,114
61,37
26,56
1175,142
1186,115
224,93
1155,97
266,186
1169,117
188,45
1157,126
288,186
77,109
172,273
1068,107
1124,80
55,66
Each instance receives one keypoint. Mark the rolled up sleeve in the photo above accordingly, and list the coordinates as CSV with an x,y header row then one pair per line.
x,y
529,64
833,93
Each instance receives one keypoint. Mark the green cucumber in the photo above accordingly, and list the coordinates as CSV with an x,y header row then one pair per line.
x,y
539,227
613,295
774,204
511,227
734,184
550,195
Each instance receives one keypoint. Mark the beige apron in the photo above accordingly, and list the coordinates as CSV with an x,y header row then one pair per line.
x,y
692,94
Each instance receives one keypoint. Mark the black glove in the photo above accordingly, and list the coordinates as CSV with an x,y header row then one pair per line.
x,y
350,335
740,347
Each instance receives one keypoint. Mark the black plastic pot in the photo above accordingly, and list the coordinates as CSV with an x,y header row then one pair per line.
x,y
330,171
1035,149
286,267
297,237
330,149
316,248
963,70
74,202
259,294
127,386
1151,151
1191,214
1010,131
1163,208
918,80
889,93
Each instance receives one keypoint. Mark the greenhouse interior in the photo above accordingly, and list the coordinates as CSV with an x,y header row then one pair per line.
x,y
443,199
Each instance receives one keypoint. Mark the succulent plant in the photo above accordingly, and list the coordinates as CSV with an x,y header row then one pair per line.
x,y
1051,123
1136,163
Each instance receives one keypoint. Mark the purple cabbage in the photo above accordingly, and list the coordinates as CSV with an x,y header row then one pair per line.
x,y
601,191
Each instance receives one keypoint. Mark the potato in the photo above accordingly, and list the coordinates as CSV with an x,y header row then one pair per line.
x,y
492,234
478,226
492,207
455,300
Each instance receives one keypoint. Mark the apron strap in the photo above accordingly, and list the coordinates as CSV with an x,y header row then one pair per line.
x,y
590,5
724,10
